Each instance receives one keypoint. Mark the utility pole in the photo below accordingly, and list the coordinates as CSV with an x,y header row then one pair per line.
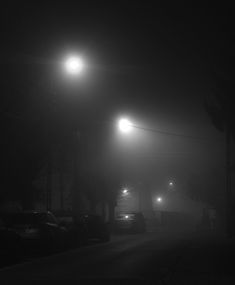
x,y
61,183
139,201
76,187
140,196
49,181
228,178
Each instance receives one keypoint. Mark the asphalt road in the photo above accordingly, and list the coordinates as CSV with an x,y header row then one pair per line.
x,y
151,258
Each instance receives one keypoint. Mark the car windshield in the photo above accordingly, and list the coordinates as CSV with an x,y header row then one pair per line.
x,y
28,218
21,218
46,218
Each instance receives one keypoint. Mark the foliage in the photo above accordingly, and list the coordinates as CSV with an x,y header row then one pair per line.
x,y
219,104
207,187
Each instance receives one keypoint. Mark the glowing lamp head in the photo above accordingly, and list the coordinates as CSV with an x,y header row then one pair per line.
x,y
125,191
171,183
126,217
159,199
74,65
125,125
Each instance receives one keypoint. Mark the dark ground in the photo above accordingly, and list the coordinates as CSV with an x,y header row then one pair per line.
x,y
151,258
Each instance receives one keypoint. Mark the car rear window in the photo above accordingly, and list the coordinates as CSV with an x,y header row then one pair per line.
x,y
20,218
46,218
126,217
28,218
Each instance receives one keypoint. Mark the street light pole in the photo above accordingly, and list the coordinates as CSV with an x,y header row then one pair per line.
x,y
228,179
76,191
74,65
49,183
139,200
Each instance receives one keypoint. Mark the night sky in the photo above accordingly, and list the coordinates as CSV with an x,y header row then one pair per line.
x,y
152,64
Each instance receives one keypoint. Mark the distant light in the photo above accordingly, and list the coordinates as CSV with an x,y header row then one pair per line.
x,y
171,183
74,65
159,199
126,217
125,191
125,125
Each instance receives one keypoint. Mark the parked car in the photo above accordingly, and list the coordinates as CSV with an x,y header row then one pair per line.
x,y
130,222
76,229
36,230
96,227
10,245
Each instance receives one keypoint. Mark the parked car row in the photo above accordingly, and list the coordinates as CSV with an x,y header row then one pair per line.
x,y
85,227
25,231
42,231
33,230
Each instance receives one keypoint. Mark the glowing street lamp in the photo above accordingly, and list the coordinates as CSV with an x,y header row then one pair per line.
x,y
74,65
124,191
171,183
125,125
159,199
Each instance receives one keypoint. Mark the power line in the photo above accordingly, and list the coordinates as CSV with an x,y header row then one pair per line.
x,y
173,134
169,155
167,133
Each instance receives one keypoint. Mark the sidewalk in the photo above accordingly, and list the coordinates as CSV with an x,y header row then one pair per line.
x,y
207,259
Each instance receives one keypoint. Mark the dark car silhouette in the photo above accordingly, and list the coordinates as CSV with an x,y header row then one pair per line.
x,y
36,230
76,229
96,227
10,245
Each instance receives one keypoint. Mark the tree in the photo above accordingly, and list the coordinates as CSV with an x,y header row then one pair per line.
x,y
219,104
206,187
220,109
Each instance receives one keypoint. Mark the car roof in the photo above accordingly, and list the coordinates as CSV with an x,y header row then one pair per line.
x,y
131,213
25,212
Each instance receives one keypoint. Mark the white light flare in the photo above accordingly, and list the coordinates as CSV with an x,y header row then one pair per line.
x,y
125,125
124,191
74,65
159,199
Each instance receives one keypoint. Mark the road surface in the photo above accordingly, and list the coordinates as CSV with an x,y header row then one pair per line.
x,y
151,258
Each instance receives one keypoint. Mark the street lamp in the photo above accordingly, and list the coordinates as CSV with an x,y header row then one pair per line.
x,y
125,191
125,125
171,186
159,199
74,65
